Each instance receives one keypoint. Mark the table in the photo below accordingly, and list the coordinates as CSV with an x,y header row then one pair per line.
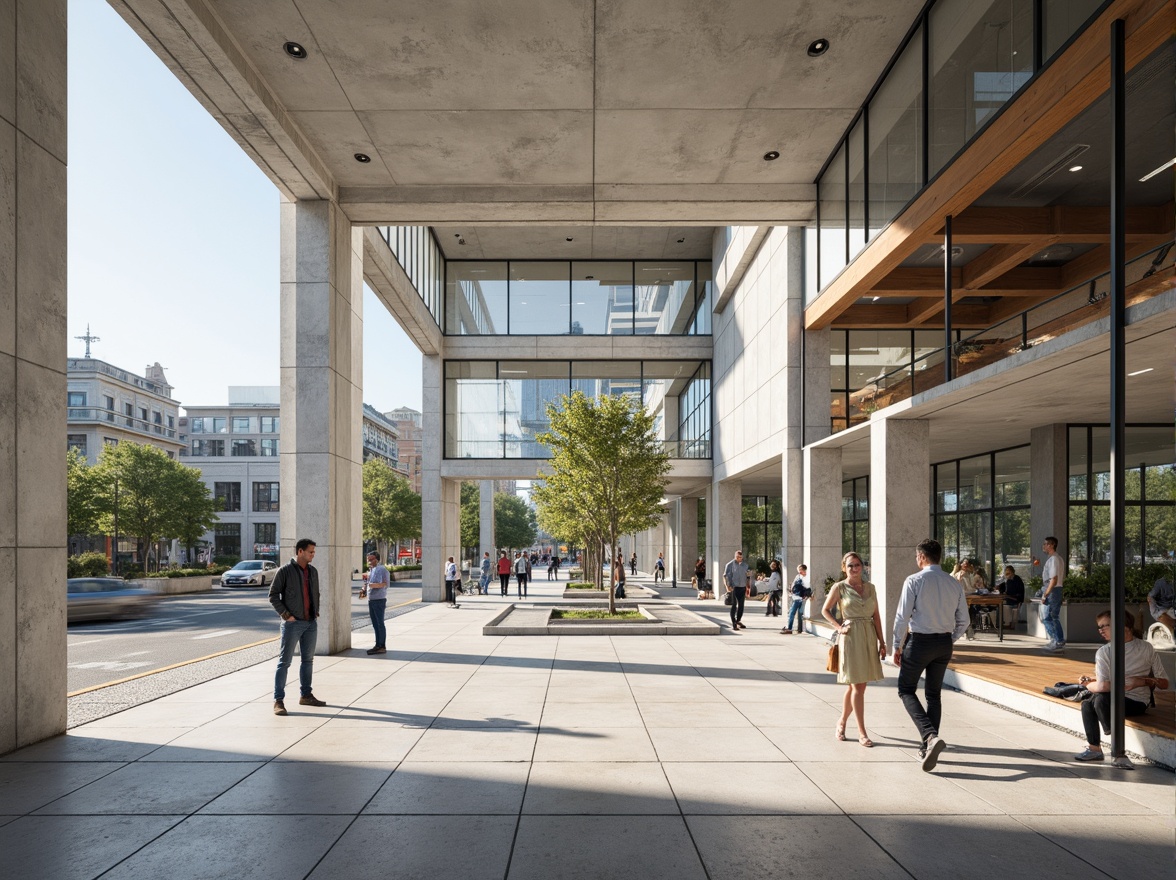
x,y
991,602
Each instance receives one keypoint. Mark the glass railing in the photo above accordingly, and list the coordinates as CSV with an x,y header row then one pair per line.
x,y
1146,276
95,414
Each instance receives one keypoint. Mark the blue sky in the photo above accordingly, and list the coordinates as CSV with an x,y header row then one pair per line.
x,y
173,232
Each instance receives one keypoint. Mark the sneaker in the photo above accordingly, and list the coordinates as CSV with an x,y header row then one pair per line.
x,y
280,708
1089,755
931,751
1049,647
377,650
1060,646
311,700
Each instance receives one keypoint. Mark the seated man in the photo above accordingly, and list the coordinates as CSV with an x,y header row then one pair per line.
x,y
1161,601
1014,593
1142,671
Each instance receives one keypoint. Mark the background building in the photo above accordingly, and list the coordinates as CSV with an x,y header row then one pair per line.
x,y
408,424
106,404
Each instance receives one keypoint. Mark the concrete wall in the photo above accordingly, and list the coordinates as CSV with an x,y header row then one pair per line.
x,y
32,370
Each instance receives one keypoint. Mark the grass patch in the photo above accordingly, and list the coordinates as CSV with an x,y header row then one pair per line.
x,y
580,586
595,614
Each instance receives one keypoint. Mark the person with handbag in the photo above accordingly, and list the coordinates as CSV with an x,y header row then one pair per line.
x,y
862,642
735,578
775,590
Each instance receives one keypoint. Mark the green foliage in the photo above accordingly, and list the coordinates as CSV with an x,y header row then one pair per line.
x,y
188,572
85,504
580,586
514,522
1096,586
596,614
225,562
87,565
608,471
404,568
391,510
471,515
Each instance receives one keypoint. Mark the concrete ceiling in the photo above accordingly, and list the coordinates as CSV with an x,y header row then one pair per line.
x,y
587,242
537,112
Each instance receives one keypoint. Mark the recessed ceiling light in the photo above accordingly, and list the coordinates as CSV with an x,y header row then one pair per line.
x,y
567,239
1152,174
1141,372
457,235
295,50
681,240
771,155
1075,167
362,158
875,299
589,277
818,47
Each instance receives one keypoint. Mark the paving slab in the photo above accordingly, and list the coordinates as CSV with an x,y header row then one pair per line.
x,y
152,789
87,845
476,788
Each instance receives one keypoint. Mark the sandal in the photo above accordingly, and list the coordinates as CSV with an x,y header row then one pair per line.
x,y
840,732
865,742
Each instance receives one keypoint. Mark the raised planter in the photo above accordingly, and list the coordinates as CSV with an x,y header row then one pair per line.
x,y
1080,618
176,586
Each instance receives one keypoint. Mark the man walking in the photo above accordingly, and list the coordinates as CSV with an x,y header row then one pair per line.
x,y
659,568
294,594
522,567
932,614
1053,574
485,579
377,592
735,580
800,592
451,583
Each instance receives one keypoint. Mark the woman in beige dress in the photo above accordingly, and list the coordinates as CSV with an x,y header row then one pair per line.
x,y
863,644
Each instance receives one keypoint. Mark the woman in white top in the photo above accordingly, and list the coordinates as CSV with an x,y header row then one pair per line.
x,y
775,588
451,582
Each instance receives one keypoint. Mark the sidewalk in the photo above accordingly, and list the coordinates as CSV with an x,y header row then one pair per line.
x,y
457,755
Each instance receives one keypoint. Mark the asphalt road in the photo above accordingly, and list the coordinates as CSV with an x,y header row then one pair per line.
x,y
186,628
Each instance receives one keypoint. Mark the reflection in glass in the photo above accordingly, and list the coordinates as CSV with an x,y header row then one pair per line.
x,y
976,482
857,188
475,299
610,378
539,298
602,298
1012,476
1061,19
896,141
1013,540
981,53
706,296
831,203
530,386
946,491
663,297
1078,463
474,407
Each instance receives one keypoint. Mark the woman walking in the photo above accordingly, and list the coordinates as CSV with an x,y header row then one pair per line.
x,y
503,571
863,643
775,589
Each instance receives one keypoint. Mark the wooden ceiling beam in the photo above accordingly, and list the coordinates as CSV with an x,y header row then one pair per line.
x,y
866,316
921,282
998,260
1055,97
1045,226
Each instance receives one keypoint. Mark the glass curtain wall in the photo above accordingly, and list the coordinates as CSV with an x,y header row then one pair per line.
x,y
583,297
420,257
1150,489
855,519
763,531
961,62
497,409
869,369
982,510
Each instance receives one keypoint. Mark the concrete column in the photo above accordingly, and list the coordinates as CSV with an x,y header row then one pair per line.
x,y
687,543
32,372
724,527
433,541
817,382
1049,490
900,491
486,519
321,350
450,528
822,524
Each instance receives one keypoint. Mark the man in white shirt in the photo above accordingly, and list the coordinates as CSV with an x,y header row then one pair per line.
x,y
451,583
932,614
1142,671
1052,577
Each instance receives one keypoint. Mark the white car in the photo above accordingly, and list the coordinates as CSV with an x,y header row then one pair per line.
x,y
250,573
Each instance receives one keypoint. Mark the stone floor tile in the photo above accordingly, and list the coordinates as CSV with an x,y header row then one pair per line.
x,y
1031,787
804,744
482,744
557,715
282,787
335,742
1147,785
168,712
473,788
700,744
725,788
152,789
981,847
75,847
99,744
688,715
4,820
257,847
1131,847
598,788
228,744
814,714
894,788
619,693
24,787
594,744
769,847
421,848
644,694
604,848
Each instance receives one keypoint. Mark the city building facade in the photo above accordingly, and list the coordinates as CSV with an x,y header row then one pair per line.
x,y
108,405
408,426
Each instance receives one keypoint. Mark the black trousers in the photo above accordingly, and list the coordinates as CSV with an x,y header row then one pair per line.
x,y
449,597
930,653
1097,711
738,597
774,603
504,582
522,579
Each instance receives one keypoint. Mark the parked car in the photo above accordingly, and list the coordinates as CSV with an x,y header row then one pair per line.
x,y
250,573
106,598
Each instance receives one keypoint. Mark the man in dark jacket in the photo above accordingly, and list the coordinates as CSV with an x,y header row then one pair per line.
x,y
295,596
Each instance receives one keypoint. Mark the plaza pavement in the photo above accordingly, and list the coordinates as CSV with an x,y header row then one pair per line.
x,y
457,755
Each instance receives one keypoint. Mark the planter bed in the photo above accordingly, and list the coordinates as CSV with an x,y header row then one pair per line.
x,y
534,619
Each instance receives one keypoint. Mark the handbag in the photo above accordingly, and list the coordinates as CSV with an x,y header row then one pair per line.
x,y
753,591
833,663
727,598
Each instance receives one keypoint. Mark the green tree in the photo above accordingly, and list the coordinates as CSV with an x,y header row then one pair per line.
x,y
608,470
85,503
514,522
391,510
195,509
471,517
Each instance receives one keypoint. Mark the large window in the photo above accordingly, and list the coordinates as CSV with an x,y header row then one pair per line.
x,y
855,517
497,409
870,369
269,424
265,541
240,424
227,540
982,510
211,448
76,441
269,448
763,530
265,497
420,256
76,398
228,496
1150,487
591,297
244,447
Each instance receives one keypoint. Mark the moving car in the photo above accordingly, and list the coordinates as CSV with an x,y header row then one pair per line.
x,y
106,598
250,573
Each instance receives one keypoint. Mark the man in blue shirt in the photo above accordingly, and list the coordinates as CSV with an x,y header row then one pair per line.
x,y
377,593
932,614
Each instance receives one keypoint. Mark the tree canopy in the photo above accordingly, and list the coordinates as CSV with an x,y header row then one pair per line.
x,y
514,520
608,470
84,492
391,510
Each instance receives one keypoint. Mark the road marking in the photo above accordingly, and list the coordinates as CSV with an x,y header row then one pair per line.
x,y
136,653
87,642
108,665
216,635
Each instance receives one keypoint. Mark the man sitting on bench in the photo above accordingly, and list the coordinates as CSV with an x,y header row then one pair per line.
x,y
1142,671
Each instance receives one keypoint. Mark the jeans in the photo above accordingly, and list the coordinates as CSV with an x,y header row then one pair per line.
x,y
1051,610
738,597
305,634
930,652
522,579
1097,710
485,583
449,592
796,609
376,613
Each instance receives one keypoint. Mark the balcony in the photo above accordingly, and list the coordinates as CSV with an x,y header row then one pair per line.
x,y
95,415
